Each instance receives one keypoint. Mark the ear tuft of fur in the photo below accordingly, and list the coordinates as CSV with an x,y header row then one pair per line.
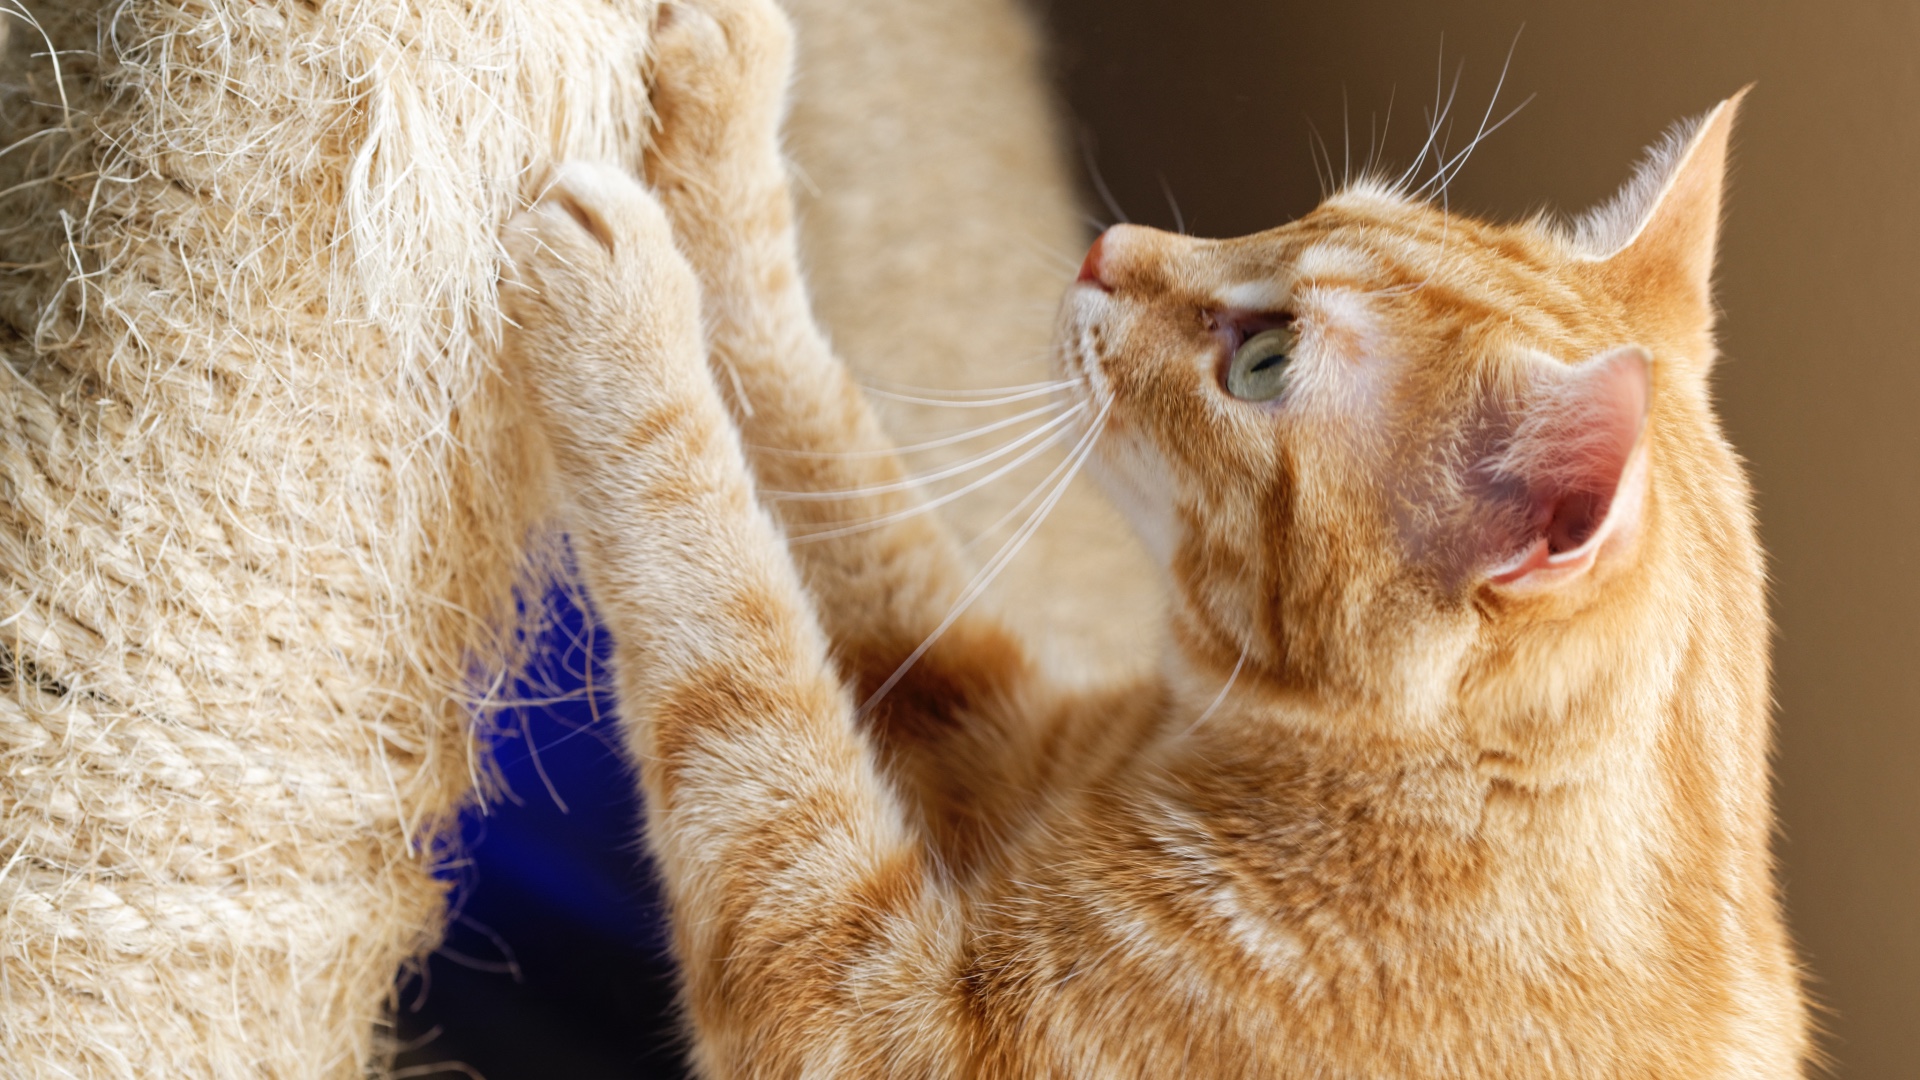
x,y
1672,203
1603,231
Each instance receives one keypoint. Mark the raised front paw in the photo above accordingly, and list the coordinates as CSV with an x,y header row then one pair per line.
x,y
719,88
603,313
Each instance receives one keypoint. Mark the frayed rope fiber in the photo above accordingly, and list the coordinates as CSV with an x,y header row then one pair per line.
x,y
263,508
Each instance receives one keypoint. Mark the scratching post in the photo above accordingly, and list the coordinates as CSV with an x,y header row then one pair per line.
x,y
262,504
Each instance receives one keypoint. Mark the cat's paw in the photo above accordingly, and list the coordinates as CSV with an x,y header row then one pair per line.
x,y
601,309
718,89
594,251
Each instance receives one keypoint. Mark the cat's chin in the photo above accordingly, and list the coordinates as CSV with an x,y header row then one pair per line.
x,y
1135,482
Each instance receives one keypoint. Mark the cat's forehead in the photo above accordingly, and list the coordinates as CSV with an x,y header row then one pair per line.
x,y
1292,268
1379,240
1406,260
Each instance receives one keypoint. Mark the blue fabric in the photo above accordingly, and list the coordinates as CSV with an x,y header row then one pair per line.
x,y
555,961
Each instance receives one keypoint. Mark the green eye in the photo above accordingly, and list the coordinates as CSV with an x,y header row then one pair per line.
x,y
1259,368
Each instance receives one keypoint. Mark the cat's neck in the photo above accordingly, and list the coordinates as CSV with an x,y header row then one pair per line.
x,y
1668,808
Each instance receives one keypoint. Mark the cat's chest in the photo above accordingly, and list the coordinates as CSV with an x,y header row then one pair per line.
x,y
1216,988
1228,948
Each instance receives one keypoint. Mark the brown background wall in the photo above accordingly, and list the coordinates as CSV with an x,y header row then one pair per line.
x,y
1820,282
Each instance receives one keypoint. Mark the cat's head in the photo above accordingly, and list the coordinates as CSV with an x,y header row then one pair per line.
x,y
1407,469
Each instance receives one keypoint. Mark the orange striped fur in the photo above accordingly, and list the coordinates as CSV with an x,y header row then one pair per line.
x,y
1390,807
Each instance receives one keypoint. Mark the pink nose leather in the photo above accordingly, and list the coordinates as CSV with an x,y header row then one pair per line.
x,y
1090,266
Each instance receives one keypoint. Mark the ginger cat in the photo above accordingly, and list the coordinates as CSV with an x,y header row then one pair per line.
x,y
1455,766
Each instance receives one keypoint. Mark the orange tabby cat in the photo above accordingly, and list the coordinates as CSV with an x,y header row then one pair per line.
x,y
1455,766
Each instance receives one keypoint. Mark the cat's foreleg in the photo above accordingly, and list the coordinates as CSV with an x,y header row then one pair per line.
x,y
783,856
953,693
885,573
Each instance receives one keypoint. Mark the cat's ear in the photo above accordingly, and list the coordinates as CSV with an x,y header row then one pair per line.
x,y
1660,230
1570,478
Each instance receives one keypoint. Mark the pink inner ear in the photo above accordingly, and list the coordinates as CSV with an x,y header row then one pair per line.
x,y
1570,456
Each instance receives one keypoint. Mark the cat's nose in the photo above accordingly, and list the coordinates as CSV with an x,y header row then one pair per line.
x,y
1114,254
1090,267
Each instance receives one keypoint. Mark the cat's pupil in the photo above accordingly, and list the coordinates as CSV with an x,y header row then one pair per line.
x,y
1270,361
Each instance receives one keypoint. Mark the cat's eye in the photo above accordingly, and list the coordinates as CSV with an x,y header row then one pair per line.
x,y
1259,368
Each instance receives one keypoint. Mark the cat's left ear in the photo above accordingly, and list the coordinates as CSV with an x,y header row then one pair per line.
x,y
1658,234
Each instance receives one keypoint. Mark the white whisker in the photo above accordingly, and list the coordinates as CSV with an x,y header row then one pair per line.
x,y
1373,143
915,481
1099,181
1449,169
989,572
914,448
1386,124
1025,501
1346,140
934,503
1453,168
1437,117
1179,219
1439,79
1315,146
1053,259
1219,698
1022,394
945,394
1446,140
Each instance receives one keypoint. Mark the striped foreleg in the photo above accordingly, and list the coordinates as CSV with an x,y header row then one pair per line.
x,y
783,854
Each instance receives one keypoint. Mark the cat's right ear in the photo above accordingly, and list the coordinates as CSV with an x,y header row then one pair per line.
x,y
1656,238
1569,479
